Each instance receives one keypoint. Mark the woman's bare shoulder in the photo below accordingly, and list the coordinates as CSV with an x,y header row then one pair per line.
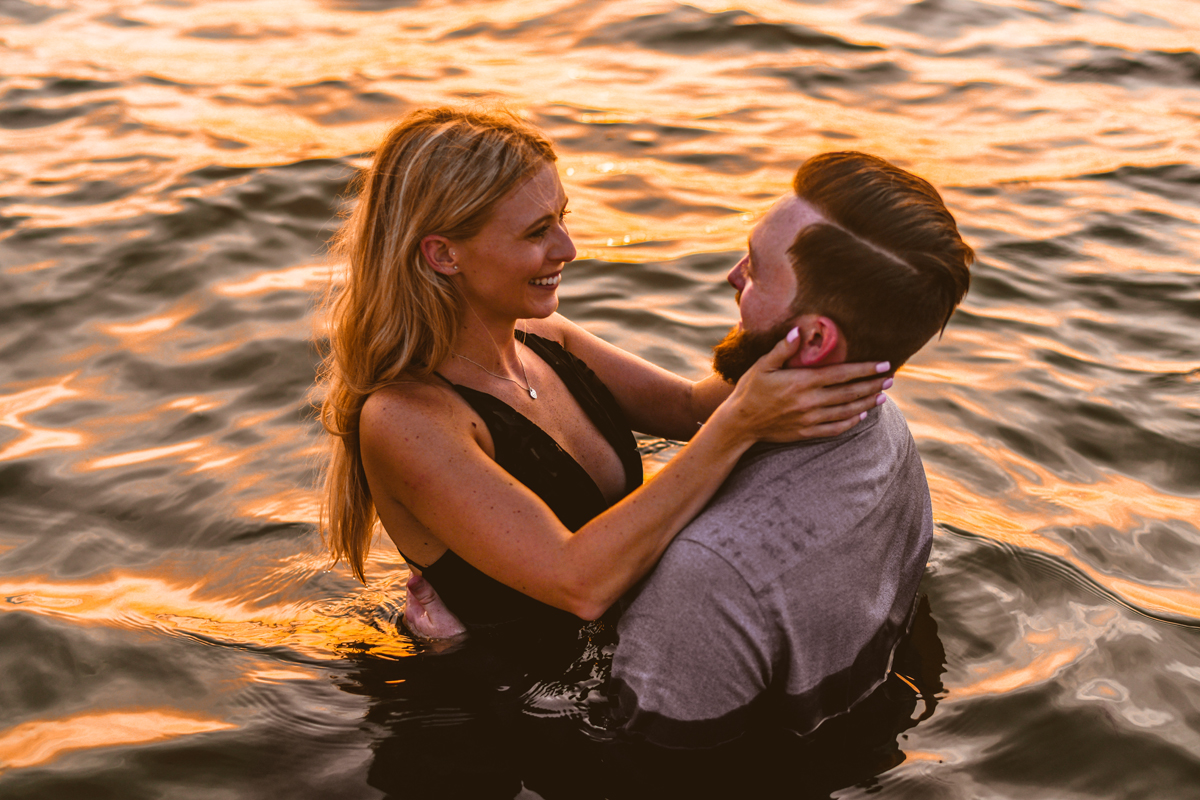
x,y
555,327
411,404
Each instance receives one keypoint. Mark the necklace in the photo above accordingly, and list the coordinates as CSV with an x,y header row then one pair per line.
x,y
528,387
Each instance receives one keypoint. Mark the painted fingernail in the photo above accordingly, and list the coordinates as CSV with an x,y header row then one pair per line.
x,y
793,335
883,366
888,383
881,399
862,416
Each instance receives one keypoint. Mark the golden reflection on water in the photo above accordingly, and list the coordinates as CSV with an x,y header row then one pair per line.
x,y
1113,500
304,278
152,334
1044,667
1042,655
138,456
1040,503
251,102
41,741
144,602
296,505
1016,348
402,53
35,266
14,408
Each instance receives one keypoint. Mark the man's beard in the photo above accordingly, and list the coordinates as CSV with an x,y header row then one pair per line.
x,y
737,352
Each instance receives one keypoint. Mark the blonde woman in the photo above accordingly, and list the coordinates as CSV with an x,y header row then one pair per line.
x,y
491,436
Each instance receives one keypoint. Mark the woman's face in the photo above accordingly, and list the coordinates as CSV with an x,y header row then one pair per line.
x,y
511,268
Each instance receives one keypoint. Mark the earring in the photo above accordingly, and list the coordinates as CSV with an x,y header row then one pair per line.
x,y
456,267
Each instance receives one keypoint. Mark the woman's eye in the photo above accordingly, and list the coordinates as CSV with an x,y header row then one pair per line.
x,y
541,232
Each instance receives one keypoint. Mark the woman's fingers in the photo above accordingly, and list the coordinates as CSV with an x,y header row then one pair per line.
x,y
827,430
782,404
849,392
844,373
851,412
784,349
808,391
826,421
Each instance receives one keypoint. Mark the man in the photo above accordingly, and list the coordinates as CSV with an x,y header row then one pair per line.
x,y
787,596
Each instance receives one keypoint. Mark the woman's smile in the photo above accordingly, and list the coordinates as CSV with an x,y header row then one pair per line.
x,y
549,281
524,245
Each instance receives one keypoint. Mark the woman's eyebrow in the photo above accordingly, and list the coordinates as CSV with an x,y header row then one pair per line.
x,y
546,216
537,222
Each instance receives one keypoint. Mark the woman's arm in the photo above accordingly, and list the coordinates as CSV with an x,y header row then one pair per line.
x,y
426,454
656,401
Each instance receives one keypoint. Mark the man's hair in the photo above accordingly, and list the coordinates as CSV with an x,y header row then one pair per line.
x,y
888,265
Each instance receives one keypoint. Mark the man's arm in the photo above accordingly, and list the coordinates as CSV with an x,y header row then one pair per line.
x,y
695,651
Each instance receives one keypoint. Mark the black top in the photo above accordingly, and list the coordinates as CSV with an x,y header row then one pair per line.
x,y
531,456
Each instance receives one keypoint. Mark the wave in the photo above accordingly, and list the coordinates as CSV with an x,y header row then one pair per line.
x,y
1155,67
946,19
689,30
1006,558
1177,182
814,79
28,13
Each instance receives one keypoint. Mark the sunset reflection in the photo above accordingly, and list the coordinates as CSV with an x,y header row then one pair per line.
x,y
1042,668
14,408
152,334
172,173
34,743
144,602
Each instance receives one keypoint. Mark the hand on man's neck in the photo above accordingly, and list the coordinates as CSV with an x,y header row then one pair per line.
x,y
821,343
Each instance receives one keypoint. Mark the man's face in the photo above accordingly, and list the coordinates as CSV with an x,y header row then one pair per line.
x,y
766,287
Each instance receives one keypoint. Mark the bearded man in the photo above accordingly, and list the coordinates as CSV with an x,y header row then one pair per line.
x,y
786,597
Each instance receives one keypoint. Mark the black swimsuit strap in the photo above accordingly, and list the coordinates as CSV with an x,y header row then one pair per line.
x,y
588,390
536,460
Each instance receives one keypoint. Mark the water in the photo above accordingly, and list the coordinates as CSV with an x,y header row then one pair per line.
x,y
170,172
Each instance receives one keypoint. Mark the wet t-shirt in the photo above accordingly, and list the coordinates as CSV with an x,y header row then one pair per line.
x,y
785,598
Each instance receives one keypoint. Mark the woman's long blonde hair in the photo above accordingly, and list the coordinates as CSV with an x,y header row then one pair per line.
x,y
439,171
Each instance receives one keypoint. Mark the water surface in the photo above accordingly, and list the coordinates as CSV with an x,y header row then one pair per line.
x,y
170,172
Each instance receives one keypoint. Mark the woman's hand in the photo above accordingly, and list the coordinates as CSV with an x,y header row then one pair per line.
x,y
773,403
426,616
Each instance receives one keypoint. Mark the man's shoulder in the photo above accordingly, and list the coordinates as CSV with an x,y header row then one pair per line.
x,y
787,504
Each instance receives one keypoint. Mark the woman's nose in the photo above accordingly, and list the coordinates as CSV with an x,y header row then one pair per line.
x,y
564,248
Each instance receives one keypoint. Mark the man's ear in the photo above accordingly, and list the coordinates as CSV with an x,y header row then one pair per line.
x,y
821,342
439,254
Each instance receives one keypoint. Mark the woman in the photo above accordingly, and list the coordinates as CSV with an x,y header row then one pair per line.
x,y
492,436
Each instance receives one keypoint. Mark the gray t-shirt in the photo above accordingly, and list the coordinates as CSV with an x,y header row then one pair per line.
x,y
790,590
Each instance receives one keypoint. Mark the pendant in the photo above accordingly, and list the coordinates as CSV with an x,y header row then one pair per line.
x,y
533,393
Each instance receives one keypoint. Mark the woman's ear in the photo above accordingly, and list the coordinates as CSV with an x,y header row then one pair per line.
x,y
439,254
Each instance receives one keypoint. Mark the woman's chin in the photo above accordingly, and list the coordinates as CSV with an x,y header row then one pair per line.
x,y
544,307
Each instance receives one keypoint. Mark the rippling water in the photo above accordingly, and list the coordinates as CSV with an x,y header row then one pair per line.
x,y
170,172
